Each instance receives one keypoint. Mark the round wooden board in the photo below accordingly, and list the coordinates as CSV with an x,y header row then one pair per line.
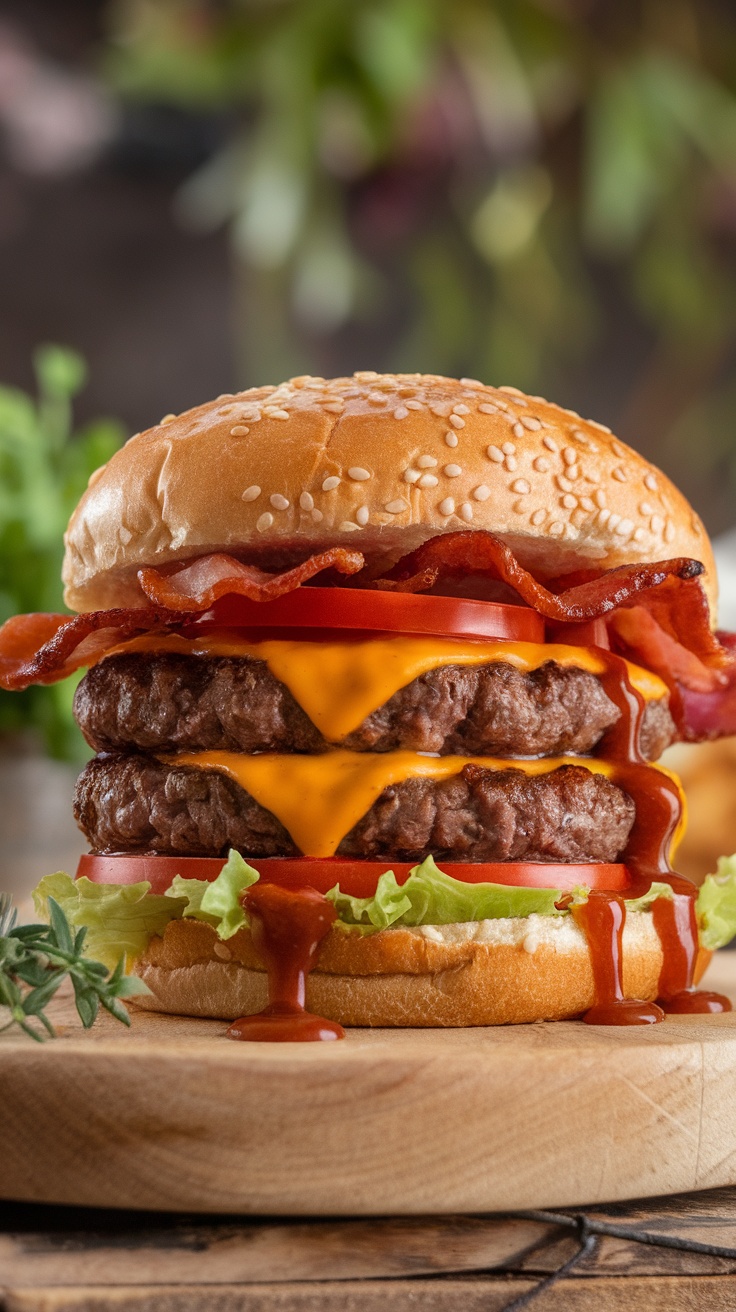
x,y
173,1116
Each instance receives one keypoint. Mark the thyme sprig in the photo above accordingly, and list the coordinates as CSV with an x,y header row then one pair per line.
x,y
36,959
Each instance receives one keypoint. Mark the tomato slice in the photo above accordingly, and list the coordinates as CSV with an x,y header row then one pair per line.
x,y
358,878
381,612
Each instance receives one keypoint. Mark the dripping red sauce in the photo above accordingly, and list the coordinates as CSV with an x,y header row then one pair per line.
x,y
287,926
658,810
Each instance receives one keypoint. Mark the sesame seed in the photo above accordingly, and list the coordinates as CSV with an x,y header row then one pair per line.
x,y
460,409
530,422
599,497
451,437
362,516
617,448
550,443
501,405
481,492
414,405
427,462
486,409
624,529
470,382
330,483
306,501
514,391
317,516
613,520
364,375
167,419
569,502
669,531
572,471
509,448
520,485
541,464
594,424
358,475
251,493
428,480
466,511
556,528
457,421
511,462
401,412
440,408
278,502
645,508
411,475
265,521
239,430
563,483
587,504
619,474
538,516
396,507
569,455
447,507
495,453
519,507
604,516
657,524
348,526
334,407
452,471
518,430
640,535
276,414
650,482
377,399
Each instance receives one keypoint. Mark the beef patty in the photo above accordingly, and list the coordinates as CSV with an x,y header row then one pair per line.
x,y
133,803
168,702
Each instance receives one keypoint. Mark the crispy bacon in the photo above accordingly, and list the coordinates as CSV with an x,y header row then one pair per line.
x,y
197,585
479,552
45,648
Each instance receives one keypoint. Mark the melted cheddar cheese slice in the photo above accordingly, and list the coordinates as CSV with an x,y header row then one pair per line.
x,y
319,799
339,684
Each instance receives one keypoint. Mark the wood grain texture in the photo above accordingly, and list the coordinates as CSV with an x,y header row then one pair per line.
x,y
614,1294
172,1115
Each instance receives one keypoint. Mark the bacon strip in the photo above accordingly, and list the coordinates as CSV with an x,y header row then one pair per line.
x,y
480,552
42,648
197,585
46,648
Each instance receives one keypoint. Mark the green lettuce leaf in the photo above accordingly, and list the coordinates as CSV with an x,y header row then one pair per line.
x,y
716,905
192,890
430,897
220,902
120,919
643,903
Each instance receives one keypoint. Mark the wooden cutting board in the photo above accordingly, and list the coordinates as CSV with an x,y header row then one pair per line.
x,y
171,1115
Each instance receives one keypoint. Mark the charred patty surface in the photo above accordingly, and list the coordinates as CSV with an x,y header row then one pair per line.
x,y
132,803
167,702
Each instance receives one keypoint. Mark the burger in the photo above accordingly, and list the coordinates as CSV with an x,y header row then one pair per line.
x,y
378,672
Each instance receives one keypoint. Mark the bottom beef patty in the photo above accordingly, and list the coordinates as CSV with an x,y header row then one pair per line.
x,y
134,803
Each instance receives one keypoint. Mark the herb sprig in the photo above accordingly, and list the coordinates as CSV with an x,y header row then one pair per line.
x,y
36,959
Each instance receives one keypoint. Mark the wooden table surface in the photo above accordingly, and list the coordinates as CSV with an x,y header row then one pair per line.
x,y
75,1260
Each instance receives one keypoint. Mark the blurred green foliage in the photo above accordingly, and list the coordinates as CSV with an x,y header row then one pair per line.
x,y
451,178
44,468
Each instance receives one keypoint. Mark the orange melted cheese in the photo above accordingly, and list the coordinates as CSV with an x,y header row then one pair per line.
x,y
319,799
339,684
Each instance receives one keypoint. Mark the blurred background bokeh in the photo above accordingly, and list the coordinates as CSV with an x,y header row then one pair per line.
x,y
202,195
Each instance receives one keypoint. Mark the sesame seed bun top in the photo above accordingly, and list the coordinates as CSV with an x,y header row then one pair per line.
x,y
380,462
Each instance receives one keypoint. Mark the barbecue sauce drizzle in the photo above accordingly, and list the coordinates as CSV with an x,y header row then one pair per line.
x,y
602,917
287,926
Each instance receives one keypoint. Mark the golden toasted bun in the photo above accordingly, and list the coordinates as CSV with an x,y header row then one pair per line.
x,y
490,973
380,462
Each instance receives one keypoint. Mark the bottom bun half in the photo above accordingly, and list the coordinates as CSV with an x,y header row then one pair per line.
x,y
495,972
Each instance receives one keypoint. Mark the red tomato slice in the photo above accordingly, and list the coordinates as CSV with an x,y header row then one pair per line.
x,y
382,612
358,878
